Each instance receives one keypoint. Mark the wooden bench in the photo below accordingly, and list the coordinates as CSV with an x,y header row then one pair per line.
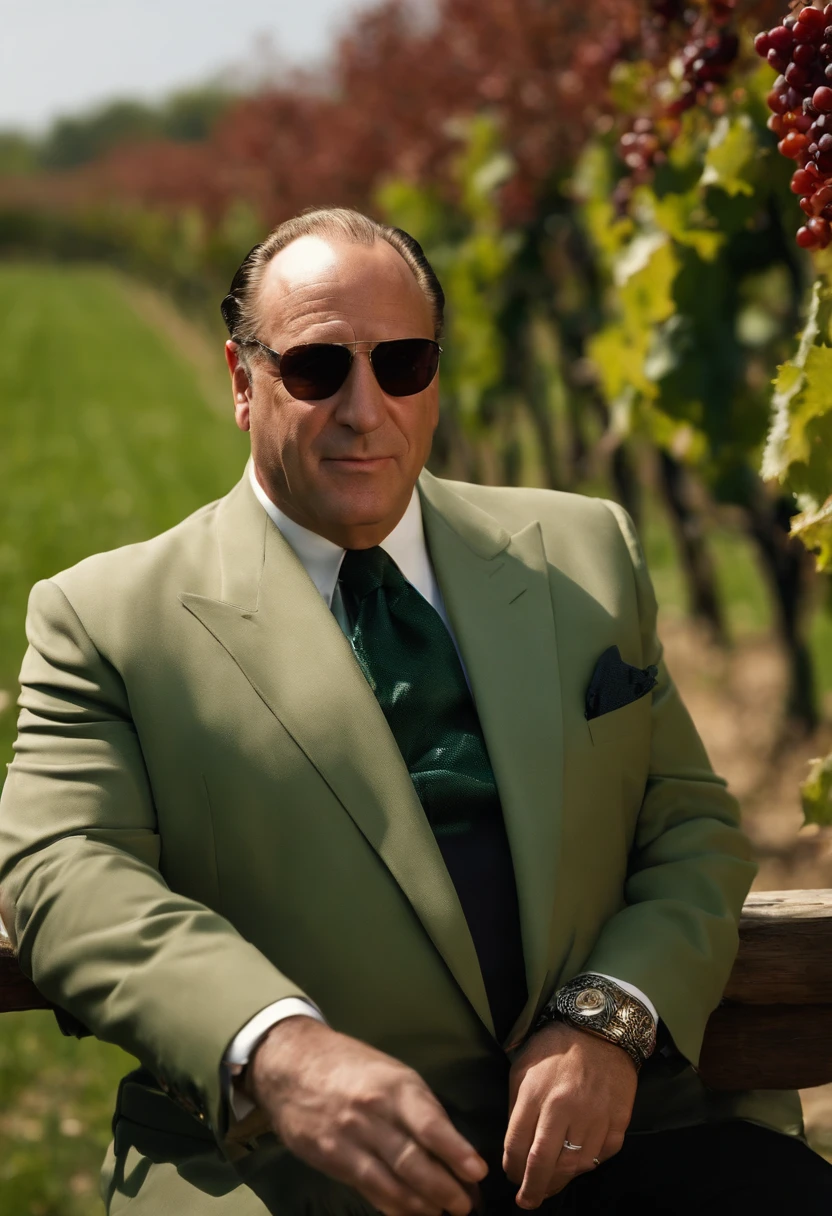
x,y
773,1030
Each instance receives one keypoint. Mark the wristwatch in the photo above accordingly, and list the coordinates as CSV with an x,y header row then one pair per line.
x,y
595,1004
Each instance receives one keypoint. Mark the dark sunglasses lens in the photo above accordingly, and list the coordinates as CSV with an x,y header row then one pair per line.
x,y
314,372
406,366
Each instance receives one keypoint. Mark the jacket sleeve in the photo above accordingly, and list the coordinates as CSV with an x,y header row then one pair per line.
x,y
689,869
95,925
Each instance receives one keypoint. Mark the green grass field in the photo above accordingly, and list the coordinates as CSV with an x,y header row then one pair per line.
x,y
109,433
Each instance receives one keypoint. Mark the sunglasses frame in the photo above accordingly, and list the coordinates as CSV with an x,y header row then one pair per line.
x,y
276,355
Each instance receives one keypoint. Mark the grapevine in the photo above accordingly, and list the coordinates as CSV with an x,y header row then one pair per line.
x,y
800,50
705,47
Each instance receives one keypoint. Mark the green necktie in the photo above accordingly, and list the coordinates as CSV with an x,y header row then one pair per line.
x,y
412,666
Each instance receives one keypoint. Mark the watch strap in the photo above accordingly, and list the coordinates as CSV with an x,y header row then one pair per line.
x,y
597,1005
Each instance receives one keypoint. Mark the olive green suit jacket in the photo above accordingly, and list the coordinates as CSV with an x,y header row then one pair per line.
x,y
207,812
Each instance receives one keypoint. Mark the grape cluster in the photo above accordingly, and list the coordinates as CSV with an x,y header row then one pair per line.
x,y
640,148
801,100
706,59
706,64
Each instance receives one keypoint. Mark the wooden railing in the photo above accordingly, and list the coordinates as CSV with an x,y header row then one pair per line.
x,y
773,1029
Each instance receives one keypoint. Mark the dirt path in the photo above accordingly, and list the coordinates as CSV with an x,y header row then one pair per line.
x,y
735,700
190,341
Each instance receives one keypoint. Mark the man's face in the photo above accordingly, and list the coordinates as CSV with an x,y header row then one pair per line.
x,y
346,466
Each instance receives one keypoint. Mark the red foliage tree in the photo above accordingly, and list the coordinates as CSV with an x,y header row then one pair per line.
x,y
383,108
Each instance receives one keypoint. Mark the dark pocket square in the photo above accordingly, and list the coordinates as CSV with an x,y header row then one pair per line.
x,y
615,684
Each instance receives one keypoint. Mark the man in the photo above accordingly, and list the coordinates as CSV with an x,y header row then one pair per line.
x,y
360,808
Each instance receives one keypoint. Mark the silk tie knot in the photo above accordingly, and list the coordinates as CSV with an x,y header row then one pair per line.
x,y
364,571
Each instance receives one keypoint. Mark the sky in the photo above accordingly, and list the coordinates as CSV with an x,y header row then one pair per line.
x,y
64,56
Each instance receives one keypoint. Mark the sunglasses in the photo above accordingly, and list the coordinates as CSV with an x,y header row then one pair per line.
x,y
316,370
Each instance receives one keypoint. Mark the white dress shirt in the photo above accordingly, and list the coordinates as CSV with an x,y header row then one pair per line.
x,y
322,561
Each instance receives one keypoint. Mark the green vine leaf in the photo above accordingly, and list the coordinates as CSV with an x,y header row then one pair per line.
x,y
731,156
815,530
644,272
683,218
631,85
798,450
637,256
672,344
816,792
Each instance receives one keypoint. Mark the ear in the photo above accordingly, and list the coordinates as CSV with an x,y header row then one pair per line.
x,y
240,383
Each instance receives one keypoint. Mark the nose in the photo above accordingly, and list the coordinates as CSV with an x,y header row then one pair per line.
x,y
361,405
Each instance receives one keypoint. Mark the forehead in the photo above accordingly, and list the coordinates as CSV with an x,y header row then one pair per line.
x,y
318,289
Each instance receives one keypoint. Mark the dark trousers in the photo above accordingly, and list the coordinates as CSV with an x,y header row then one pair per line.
x,y
734,1168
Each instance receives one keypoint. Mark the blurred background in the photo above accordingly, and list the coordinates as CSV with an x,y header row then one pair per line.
x,y
615,235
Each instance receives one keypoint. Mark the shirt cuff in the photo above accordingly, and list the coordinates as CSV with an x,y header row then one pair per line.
x,y
243,1044
633,991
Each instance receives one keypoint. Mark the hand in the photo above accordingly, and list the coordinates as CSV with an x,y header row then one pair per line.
x,y
565,1085
364,1119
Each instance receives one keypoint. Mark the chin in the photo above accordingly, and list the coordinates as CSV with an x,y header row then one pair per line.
x,y
363,506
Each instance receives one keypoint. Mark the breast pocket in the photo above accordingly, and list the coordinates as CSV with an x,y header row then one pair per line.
x,y
620,757
625,728
624,731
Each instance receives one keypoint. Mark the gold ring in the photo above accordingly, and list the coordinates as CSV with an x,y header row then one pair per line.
x,y
595,1161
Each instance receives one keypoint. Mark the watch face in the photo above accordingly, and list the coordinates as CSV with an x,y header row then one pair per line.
x,y
590,1002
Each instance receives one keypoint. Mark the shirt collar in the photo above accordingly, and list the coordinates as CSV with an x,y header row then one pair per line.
x,y
322,559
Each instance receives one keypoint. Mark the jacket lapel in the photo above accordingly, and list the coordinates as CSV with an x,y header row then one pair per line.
x,y
497,595
274,624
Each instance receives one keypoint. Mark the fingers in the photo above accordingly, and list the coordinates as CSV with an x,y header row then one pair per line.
x,y
373,1179
542,1162
371,1122
519,1136
571,1162
551,1165
612,1143
567,1085
423,1118
358,1159
426,1158
422,1175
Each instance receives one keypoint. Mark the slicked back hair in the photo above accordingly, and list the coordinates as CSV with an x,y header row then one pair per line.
x,y
240,306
